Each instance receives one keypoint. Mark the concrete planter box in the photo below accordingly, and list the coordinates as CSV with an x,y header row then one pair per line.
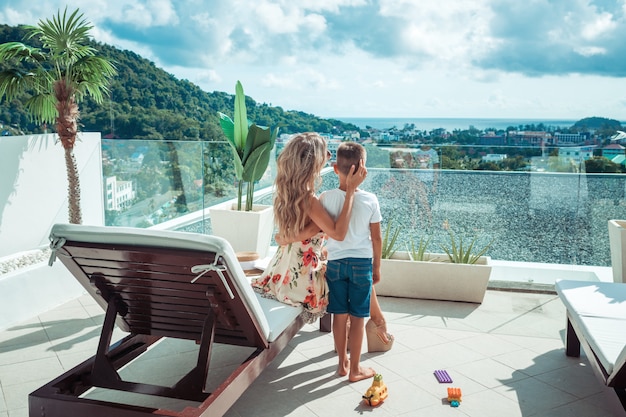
x,y
247,231
617,242
436,279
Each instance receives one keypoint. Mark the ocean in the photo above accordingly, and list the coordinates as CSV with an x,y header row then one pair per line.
x,y
450,124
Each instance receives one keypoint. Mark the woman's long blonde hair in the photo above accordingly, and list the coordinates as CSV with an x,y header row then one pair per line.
x,y
298,176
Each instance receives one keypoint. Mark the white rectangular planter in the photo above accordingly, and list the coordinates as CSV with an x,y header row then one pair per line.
x,y
617,242
435,279
245,230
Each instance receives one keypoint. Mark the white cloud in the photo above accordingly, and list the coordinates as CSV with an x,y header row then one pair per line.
x,y
429,58
598,26
13,16
274,80
289,19
327,5
446,32
148,14
590,50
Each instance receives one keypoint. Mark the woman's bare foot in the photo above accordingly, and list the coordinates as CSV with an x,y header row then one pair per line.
x,y
362,374
344,368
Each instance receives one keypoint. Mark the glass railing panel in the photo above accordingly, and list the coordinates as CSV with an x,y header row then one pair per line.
x,y
149,182
532,206
542,208
220,183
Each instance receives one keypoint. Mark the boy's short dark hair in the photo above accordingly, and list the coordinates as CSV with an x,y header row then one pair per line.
x,y
348,154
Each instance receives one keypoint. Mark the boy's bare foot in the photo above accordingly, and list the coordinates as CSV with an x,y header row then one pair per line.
x,y
344,368
363,373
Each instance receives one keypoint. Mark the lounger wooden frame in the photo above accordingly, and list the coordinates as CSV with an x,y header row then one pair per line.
x,y
577,333
150,291
573,344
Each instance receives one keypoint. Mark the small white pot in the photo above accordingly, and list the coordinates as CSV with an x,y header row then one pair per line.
x,y
247,231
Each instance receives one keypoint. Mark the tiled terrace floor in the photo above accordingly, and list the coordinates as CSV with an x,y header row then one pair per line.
x,y
506,355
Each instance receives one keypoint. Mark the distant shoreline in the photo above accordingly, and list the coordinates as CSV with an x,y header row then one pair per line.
x,y
450,124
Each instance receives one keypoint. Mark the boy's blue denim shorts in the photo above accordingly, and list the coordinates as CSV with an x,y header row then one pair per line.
x,y
350,286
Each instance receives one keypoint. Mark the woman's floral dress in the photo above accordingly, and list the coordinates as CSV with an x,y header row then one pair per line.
x,y
296,276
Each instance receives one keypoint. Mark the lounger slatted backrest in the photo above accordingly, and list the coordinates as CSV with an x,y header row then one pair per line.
x,y
159,291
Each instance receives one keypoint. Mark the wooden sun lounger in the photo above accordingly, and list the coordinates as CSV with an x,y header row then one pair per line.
x,y
596,320
157,284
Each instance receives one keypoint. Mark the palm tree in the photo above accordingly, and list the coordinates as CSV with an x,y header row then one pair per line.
x,y
57,75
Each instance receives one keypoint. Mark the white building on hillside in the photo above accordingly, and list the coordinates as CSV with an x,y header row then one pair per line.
x,y
119,194
576,154
494,157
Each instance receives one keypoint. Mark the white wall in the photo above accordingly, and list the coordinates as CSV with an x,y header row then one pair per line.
x,y
33,196
33,188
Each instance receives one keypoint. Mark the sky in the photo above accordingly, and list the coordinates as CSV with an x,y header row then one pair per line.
x,y
542,59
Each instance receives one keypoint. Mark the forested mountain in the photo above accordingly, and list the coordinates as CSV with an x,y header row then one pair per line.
x,y
148,103
597,123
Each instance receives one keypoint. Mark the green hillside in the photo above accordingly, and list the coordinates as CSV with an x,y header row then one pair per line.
x,y
148,103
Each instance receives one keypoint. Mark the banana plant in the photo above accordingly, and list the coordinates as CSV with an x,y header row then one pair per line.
x,y
251,146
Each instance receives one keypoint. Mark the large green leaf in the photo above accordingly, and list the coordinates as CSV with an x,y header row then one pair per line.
x,y
228,127
258,149
241,118
257,163
257,137
239,168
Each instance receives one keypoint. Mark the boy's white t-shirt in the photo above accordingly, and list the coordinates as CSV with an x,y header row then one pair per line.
x,y
365,210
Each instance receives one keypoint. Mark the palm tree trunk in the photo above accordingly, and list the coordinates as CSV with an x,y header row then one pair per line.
x,y
73,187
67,129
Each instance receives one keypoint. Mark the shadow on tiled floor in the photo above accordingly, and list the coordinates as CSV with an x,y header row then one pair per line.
x,y
506,355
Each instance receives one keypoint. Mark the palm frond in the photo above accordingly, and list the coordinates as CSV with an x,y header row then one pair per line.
x,y
20,52
13,82
63,35
91,75
42,108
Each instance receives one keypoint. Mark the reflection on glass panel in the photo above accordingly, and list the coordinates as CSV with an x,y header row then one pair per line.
x,y
149,182
219,174
535,204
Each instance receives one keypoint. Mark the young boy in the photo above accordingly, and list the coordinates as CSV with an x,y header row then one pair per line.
x,y
353,264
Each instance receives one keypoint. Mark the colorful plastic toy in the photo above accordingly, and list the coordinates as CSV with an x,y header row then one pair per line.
x,y
443,376
377,393
454,396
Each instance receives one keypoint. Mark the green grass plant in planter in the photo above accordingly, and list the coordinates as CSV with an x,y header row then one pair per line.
x,y
389,241
458,274
251,145
418,253
460,254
